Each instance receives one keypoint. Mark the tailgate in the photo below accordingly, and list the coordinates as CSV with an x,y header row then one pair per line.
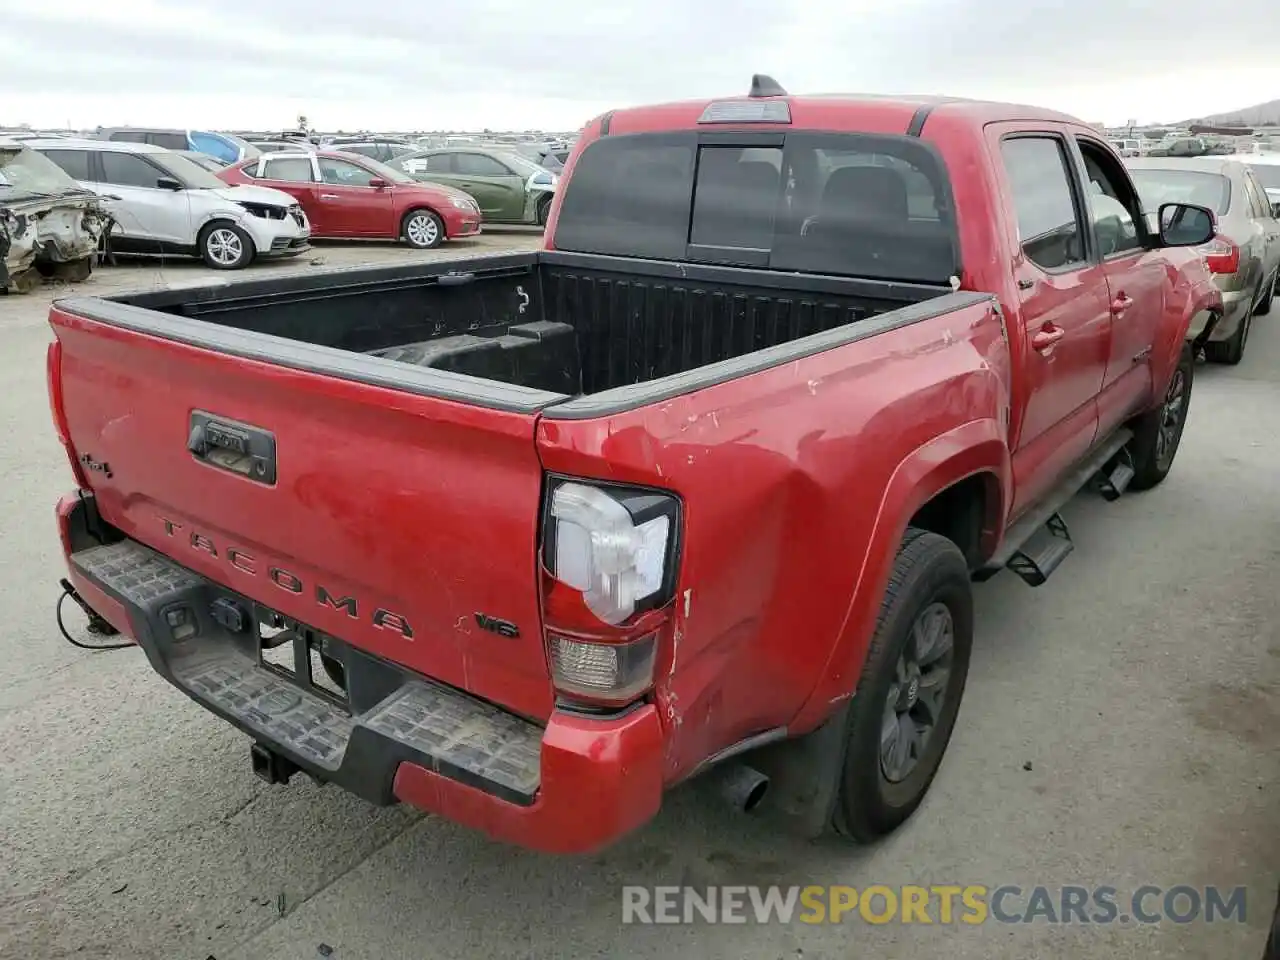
x,y
396,521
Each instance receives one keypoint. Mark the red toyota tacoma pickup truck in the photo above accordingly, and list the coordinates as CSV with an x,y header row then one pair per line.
x,y
526,540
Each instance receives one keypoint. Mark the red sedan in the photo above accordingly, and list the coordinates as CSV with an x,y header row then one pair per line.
x,y
347,195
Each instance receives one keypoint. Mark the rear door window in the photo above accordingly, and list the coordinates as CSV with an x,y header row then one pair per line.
x,y
287,169
845,204
74,162
1049,222
128,170
479,165
168,140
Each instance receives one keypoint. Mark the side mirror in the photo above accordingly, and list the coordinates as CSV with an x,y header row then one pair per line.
x,y
168,183
377,183
1186,225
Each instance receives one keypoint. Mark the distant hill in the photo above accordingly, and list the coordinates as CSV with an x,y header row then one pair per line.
x,y
1263,114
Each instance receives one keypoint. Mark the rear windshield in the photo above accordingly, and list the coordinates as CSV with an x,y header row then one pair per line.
x,y
846,204
1157,187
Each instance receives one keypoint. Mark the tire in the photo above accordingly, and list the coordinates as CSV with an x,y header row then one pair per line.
x,y
544,210
224,246
929,594
1264,307
422,229
1157,433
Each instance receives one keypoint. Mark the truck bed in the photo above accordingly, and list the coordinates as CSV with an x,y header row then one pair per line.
x,y
554,323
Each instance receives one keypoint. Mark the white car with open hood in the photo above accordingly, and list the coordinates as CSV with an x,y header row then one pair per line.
x,y
163,203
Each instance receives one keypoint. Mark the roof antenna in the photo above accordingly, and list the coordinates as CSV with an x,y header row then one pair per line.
x,y
763,85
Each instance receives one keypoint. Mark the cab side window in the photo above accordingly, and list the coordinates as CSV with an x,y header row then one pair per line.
x,y
1114,208
1049,223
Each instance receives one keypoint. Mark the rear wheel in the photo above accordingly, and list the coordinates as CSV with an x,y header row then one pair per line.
x,y
224,246
1158,432
909,693
422,229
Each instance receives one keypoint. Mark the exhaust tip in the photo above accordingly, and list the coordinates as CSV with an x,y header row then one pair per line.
x,y
756,795
743,787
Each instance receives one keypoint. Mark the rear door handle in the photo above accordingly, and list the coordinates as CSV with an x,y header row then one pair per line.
x,y
329,196
1120,304
1047,337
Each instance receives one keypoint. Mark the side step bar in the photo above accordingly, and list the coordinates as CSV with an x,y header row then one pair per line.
x,y
1037,544
1041,555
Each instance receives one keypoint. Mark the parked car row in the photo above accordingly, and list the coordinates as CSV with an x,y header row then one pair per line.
x,y
161,202
230,201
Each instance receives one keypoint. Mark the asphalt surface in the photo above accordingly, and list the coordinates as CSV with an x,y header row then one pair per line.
x,y
1121,727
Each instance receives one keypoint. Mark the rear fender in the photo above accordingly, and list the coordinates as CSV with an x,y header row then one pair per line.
x,y
977,447
1194,292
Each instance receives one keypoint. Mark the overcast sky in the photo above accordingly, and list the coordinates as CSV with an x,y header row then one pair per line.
x,y
553,64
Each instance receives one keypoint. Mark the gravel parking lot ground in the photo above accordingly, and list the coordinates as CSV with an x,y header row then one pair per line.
x,y
1121,727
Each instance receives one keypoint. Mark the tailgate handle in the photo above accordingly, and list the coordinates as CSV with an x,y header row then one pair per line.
x,y
454,279
233,446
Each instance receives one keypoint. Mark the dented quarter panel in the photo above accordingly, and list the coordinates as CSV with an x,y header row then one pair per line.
x,y
797,481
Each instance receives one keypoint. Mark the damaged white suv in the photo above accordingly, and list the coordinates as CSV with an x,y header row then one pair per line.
x,y
163,203
49,224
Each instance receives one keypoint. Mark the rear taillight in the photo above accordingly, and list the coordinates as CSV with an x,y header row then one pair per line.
x,y
53,378
613,673
609,568
1221,255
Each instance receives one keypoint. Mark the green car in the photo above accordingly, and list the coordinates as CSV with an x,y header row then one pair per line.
x,y
508,188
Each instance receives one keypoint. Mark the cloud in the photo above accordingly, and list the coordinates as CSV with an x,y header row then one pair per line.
x,y
555,63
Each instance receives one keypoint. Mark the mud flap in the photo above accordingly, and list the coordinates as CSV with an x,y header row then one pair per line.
x,y
804,776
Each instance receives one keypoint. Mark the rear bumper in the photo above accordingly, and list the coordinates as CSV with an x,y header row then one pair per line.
x,y
573,786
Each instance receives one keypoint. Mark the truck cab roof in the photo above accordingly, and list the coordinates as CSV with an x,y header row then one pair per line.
x,y
839,111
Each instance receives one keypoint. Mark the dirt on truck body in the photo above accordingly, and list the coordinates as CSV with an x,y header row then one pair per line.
x,y
49,226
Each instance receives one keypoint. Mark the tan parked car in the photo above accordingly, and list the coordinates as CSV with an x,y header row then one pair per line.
x,y
1245,256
